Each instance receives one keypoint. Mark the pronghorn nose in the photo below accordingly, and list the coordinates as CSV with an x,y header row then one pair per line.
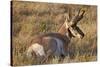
x,y
82,37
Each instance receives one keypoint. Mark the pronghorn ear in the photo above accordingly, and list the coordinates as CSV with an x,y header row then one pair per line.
x,y
67,17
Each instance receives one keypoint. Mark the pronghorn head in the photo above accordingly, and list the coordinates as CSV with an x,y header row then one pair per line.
x,y
71,25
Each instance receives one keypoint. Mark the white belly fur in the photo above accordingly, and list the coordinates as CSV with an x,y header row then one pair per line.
x,y
38,49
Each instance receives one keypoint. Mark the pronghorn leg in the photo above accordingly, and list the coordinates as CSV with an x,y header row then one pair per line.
x,y
51,49
49,52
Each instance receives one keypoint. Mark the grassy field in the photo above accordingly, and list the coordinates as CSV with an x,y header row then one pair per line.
x,y
30,18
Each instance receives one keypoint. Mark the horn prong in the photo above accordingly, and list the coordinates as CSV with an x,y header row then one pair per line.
x,y
77,17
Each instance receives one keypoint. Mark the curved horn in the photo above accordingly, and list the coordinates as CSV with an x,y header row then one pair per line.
x,y
77,18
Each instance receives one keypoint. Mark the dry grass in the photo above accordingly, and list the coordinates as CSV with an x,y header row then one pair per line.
x,y
30,18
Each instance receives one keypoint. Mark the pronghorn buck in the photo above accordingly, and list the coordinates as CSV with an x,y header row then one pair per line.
x,y
56,44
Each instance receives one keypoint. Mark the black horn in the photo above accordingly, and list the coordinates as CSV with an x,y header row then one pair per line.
x,y
77,17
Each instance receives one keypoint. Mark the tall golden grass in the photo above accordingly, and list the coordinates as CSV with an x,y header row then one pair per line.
x,y
31,18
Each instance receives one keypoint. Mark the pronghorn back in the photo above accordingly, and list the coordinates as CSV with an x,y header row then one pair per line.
x,y
46,39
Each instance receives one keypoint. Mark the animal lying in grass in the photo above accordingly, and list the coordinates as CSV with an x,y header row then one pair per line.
x,y
56,44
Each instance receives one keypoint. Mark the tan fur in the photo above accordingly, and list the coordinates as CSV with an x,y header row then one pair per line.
x,y
56,43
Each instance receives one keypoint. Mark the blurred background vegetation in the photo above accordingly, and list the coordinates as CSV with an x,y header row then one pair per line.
x,y
31,18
